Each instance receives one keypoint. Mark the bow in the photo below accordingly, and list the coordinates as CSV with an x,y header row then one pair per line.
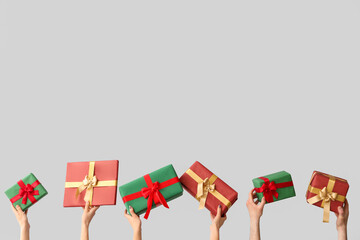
x,y
326,196
27,192
269,190
88,183
203,190
152,193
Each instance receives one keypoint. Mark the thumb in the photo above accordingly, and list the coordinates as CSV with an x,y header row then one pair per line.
x,y
262,204
218,213
341,211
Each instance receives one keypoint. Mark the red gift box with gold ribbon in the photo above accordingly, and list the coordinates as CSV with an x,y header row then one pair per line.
x,y
208,189
327,191
95,182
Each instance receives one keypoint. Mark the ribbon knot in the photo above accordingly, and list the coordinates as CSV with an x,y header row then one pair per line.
x,y
26,192
152,193
269,190
327,196
88,183
203,190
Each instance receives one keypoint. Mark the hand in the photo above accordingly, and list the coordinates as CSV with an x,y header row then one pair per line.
x,y
217,221
88,214
133,219
21,217
255,209
342,217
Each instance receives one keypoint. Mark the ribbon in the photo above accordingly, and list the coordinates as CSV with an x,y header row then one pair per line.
x,y
269,189
152,193
26,192
203,190
326,195
89,183
206,186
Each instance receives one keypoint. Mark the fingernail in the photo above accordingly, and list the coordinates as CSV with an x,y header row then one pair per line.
x,y
219,206
130,207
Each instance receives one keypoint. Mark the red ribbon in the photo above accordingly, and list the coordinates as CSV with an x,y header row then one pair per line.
x,y
152,193
269,189
26,192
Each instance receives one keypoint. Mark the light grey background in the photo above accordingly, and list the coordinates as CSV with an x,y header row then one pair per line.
x,y
246,87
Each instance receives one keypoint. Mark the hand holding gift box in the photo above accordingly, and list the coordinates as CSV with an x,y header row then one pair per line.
x,y
274,187
151,190
328,192
208,189
26,192
95,182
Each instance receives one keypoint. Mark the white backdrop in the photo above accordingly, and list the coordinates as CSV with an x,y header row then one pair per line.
x,y
246,87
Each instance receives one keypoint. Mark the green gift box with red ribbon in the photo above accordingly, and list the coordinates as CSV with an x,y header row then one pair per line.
x,y
26,192
151,190
274,187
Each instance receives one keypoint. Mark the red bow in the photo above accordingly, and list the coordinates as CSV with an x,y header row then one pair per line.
x,y
152,193
26,192
269,190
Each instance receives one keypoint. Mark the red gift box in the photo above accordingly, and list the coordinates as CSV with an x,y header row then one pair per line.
x,y
215,192
95,180
327,189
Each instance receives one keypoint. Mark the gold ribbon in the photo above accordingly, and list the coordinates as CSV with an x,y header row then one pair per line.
x,y
205,187
326,195
90,181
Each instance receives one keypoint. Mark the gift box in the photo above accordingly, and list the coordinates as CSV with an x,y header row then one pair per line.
x,y
26,192
274,187
326,191
95,182
208,189
152,190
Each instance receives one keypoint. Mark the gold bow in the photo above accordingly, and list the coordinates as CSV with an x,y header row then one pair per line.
x,y
88,184
205,187
90,181
203,190
326,195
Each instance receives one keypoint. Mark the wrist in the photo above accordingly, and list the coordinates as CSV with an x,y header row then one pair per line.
x,y
137,229
214,228
85,224
341,228
255,220
25,227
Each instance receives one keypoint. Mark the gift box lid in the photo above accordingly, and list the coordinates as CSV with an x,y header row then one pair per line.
x,y
39,193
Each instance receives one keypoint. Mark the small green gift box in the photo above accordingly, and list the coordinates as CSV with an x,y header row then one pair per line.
x,y
26,192
274,187
153,189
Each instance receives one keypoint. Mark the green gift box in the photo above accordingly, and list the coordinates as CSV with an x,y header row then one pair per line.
x,y
151,190
274,187
26,192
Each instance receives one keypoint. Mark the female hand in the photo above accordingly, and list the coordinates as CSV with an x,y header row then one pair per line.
x,y
342,220
21,217
255,212
216,223
88,214
23,221
255,209
135,223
